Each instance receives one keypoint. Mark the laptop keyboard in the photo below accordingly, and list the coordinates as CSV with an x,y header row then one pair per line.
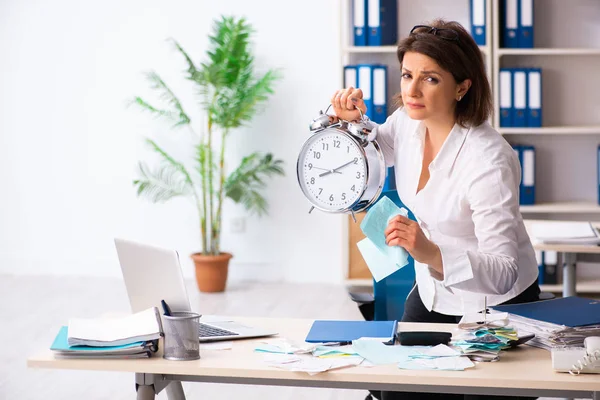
x,y
211,331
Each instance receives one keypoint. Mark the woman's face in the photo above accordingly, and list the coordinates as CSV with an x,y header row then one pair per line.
x,y
428,91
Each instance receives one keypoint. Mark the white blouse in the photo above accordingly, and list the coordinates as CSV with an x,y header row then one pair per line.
x,y
469,208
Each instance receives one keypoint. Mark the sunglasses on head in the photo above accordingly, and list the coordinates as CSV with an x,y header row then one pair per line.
x,y
443,33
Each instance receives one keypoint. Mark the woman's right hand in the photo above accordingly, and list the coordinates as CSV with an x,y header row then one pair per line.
x,y
346,102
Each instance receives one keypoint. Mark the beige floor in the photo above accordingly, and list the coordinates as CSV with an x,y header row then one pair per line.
x,y
33,308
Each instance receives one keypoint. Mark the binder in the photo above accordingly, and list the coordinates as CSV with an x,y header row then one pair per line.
x,y
570,311
478,28
390,180
550,267
359,11
506,110
539,257
379,93
519,97
382,17
525,30
347,331
365,76
350,76
511,22
527,187
534,99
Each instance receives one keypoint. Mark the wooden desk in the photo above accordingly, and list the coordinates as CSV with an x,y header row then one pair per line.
x,y
569,256
526,371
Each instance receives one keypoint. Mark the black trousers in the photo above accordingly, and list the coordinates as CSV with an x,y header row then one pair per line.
x,y
415,311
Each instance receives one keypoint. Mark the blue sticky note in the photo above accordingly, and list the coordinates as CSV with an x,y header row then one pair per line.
x,y
374,225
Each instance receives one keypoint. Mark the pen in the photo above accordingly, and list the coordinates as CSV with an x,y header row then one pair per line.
x,y
166,308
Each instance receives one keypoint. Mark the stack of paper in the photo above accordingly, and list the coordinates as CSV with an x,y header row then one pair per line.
x,y
558,322
138,327
563,232
61,349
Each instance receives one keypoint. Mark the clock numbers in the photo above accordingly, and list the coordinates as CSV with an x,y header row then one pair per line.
x,y
333,170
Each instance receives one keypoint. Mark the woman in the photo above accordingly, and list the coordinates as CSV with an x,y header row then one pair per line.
x,y
458,176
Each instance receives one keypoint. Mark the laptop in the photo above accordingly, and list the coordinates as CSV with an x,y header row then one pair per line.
x,y
152,274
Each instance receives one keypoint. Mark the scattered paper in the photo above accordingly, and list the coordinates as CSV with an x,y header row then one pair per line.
x,y
309,364
441,363
379,353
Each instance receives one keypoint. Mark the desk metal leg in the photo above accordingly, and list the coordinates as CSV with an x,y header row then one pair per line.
x,y
175,391
149,385
569,278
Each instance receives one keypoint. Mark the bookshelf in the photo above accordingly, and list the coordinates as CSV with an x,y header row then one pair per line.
x,y
566,163
566,144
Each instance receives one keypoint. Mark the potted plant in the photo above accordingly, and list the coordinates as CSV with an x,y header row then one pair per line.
x,y
229,94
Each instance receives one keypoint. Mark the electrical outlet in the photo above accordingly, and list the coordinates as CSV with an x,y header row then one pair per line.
x,y
238,225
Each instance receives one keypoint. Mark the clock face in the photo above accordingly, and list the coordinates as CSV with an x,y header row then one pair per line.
x,y
332,170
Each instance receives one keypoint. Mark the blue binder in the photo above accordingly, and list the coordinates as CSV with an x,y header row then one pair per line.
x,y
539,257
365,83
570,311
382,17
506,109
510,24
390,180
527,187
347,331
350,76
478,27
379,78
525,30
519,97
550,267
359,25
534,98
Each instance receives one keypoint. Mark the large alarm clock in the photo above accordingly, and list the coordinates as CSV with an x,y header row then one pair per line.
x,y
339,170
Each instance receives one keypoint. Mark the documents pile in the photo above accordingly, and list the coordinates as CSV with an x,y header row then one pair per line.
x,y
565,232
558,322
484,336
132,336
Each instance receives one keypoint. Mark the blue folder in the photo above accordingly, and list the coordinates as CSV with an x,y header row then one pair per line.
x,y
382,17
478,21
359,26
346,331
510,14
568,311
525,29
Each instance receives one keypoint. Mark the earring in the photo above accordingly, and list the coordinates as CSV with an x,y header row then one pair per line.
x,y
459,97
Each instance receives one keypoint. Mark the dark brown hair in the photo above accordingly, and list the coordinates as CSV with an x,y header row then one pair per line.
x,y
463,59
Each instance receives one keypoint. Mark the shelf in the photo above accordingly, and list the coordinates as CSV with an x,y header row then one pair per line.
x,y
358,282
385,49
564,207
553,130
548,52
588,286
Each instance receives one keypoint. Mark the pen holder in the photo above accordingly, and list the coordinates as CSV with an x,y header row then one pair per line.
x,y
181,342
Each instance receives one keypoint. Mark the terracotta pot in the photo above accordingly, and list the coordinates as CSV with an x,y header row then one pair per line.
x,y
211,271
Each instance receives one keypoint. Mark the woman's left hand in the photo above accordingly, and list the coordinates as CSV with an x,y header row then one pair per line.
x,y
404,232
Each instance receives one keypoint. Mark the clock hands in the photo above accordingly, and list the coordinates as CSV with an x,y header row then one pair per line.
x,y
335,170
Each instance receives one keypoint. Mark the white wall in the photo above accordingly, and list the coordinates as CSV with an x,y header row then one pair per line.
x,y
69,146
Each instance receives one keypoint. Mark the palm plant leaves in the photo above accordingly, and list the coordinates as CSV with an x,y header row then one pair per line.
x,y
161,185
230,93
176,115
245,183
